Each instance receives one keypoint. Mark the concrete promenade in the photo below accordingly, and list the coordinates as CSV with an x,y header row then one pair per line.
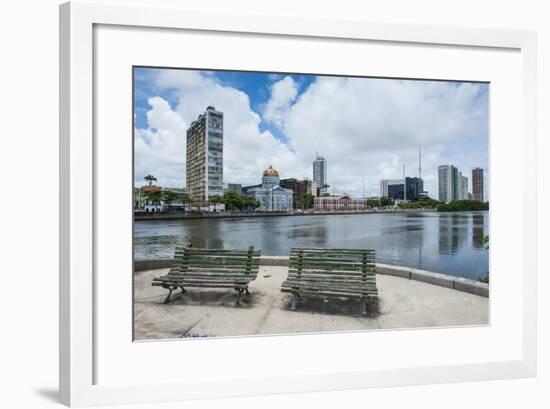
x,y
404,303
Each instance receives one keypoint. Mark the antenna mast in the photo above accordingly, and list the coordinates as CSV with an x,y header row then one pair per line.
x,y
419,162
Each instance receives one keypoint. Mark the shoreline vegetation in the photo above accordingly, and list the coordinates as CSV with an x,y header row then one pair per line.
x,y
239,205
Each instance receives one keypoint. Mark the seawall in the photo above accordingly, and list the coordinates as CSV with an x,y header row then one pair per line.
x,y
439,279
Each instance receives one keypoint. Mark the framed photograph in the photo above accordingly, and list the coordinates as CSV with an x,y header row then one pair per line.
x,y
291,204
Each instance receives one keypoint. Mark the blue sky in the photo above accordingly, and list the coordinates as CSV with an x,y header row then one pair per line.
x,y
255,84
366,128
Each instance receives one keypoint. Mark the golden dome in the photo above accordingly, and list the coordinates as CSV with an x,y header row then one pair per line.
x,y
271,172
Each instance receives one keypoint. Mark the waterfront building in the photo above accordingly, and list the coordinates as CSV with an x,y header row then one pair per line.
x,y
477,184
205,156
448,183
320,173
397,187
413,187
314,189
298,187
233,187
407,189
338,204
270,195
464,188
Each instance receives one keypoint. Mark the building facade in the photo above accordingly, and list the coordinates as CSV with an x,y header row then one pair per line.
x,y
393,187
233,187
204,156
407,189
448,183
413,188
320,174
464,188
477,184
298,187
270,195
338,204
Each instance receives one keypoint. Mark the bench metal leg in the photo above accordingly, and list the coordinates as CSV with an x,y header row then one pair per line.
x,y
167,299
364,307
295,301
183,290
246,291
240,290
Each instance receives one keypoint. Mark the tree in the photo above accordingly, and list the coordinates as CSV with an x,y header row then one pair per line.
x,y
373,203
462,205
304,201
150,178
154,197
386,201
185,198
168,197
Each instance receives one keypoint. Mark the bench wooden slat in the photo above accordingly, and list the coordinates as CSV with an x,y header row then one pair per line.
x,y
337,272
195,267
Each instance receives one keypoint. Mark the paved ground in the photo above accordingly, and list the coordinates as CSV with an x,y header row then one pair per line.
x,y
211,312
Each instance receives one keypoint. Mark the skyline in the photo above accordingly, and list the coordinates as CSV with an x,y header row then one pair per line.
x,y
366,128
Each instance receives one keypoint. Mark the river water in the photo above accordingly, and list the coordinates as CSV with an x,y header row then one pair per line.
x,y
442,242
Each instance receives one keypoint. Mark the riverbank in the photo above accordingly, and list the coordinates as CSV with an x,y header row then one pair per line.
x,y
205,312
443,280
227,215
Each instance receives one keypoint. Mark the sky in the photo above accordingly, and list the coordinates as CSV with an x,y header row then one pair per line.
x,y
366,128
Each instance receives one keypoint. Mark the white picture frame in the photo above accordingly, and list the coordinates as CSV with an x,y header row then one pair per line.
x,y
78,290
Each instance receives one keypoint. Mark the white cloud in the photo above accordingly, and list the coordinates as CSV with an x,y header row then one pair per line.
x,y
283,94
365,128
158,149
247,150
369,128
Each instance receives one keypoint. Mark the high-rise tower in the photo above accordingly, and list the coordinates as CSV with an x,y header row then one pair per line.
x,y
205,156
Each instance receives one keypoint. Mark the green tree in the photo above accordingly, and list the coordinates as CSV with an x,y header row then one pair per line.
x,y
154,197
304,201
463,205
386,201
168,197
371,203
150,178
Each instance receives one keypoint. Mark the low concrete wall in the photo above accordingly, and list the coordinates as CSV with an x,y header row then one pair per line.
x,y
442,280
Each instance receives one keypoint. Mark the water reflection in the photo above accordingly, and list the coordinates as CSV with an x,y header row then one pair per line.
x,y
442,242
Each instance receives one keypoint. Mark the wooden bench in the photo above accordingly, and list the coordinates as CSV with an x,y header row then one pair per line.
x,y
332,272
195,267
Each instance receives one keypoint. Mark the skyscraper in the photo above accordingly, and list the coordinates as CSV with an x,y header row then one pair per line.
x,y
464,190
320,173
477,184
448,183
205,156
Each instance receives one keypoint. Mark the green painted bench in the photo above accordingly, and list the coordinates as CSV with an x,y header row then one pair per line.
x,y
332,272
196,267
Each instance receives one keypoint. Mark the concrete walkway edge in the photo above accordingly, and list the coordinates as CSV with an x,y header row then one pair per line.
x,y
439,279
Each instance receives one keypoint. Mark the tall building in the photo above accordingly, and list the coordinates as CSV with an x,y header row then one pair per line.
x,y
448,183
413,188
320,173
464,188
205,156
477,184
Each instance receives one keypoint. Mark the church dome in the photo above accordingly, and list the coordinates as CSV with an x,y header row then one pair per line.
x,y
271,172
